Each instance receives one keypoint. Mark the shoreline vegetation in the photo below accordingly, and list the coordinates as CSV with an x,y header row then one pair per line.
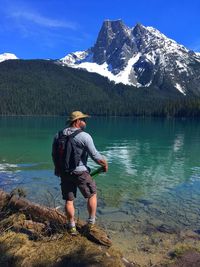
x,y
103,116
34,235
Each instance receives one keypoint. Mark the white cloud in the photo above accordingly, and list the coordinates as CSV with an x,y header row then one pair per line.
x,y
45,30
42,20
21,12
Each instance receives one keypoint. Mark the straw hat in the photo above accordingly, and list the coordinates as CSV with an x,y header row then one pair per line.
x,y
75,115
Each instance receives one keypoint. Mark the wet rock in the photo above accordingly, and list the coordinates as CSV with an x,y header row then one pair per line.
x,y
163,228
197,231
189,234
95,234
149,229
145,202
188,259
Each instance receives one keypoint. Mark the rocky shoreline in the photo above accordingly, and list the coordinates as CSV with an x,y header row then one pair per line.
x,y
34,235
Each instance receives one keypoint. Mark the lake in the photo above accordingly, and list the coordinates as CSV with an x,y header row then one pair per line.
x,y
153,178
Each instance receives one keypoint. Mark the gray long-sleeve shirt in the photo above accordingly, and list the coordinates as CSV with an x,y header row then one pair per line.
x,y
85,142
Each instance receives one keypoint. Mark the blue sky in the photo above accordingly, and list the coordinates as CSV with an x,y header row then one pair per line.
x,y
53,28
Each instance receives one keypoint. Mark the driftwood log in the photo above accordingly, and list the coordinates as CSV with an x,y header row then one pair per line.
x,y
53,217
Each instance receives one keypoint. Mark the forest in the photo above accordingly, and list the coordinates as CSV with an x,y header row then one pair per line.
x,y
44,87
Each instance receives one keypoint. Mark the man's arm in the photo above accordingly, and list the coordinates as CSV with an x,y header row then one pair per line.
x,y
94,154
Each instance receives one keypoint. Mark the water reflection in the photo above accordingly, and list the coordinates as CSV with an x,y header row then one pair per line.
x,y
154,169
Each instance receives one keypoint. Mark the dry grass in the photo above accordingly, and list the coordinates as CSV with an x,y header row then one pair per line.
x,y
38,248
17,250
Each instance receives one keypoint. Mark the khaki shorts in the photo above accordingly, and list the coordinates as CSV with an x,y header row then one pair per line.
x,y
81,180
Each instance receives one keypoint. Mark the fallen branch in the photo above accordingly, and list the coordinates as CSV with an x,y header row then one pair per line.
x,y
51,216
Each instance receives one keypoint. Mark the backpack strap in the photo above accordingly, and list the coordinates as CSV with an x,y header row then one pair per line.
x,y
60,134
75,133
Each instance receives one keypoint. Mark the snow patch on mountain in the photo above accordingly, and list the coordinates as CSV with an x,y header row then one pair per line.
x,y
198,56
123,76
7,56
182,67
105,70
77,58
178,86
165,41
151,56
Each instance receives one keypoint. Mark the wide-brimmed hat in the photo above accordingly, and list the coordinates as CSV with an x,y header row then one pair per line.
x,y
75,115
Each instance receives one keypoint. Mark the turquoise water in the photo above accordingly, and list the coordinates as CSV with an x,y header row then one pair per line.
x,y
153,177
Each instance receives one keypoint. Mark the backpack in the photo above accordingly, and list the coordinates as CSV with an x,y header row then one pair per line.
x,y
64,152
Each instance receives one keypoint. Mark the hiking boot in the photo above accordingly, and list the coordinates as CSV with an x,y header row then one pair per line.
x,y
90,226
87,228
72,231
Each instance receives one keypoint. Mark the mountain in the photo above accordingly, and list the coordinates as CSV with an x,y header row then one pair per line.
x,y
142,73
7,56
140,56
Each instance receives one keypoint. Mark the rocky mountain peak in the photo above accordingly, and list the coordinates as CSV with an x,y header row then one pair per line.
x,y
112,36
110,30
138,30
139,56
114,24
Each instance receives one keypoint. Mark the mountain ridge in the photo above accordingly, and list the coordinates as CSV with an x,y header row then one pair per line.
x,y
138,56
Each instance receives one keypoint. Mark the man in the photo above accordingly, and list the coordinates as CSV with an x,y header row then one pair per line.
x,y
79,177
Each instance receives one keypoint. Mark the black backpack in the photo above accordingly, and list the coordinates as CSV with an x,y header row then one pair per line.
x,y
65,154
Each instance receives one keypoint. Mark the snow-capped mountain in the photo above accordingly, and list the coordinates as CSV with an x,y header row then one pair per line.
x,y
7,56
139,56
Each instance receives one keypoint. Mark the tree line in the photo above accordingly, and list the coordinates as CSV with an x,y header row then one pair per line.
x,y
41,87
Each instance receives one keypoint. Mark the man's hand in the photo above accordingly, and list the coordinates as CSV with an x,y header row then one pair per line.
x,y
104,164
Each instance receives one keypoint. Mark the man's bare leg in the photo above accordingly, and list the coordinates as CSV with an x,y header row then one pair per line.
x,y
92,207
70,211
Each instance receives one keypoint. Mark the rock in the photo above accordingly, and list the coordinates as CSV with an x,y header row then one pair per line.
x,y
188,259
163,228
95,234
